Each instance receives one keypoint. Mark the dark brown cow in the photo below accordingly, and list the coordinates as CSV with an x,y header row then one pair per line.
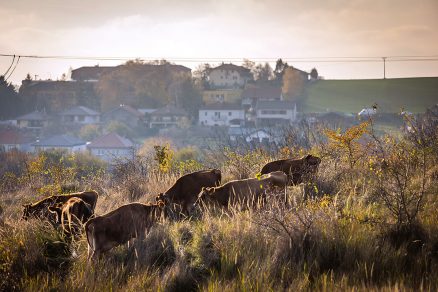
x,y
119,226
246,191
297,170
40,208
75,212
185,191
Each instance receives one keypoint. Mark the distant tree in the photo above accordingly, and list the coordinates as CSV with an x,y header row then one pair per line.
x,y
293,84
139,85
89,132
120,128
200,75
263,73
314,74
10,104
280,67
190,97
251,65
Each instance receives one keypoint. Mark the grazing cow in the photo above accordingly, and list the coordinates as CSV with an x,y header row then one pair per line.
x,y
246,191
40,208
297,170
75,212
184,192
119,226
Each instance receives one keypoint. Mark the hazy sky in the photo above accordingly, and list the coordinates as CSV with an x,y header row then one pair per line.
x,y
221,29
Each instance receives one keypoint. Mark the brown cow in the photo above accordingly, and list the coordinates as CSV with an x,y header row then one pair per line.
x,y
40,208
75,212
184,192
297,170
246,191
119,226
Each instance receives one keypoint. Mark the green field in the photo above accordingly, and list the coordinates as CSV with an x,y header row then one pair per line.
x,y
350,96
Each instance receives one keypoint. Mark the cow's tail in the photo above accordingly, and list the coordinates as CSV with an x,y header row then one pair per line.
x,y
89,231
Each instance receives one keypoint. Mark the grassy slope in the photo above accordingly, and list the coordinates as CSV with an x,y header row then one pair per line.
x,y
414,94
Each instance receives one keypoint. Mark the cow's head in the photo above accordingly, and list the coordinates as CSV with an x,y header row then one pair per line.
x,y
205,194
56,211
311,160
163,197
27,211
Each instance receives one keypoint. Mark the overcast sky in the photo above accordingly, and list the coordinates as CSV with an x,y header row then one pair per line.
x,y
221,29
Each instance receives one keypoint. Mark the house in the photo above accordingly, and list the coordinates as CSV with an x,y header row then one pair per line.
x,y
95,73
80,115
228,76
112,147
222,95
55,96
125,114
271,113
252,94
367,112
304,74
60,142
90,73
262,93
168,116
13,138
34,121
221,114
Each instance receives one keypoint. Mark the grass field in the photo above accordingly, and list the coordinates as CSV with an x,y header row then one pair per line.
x,y
350,96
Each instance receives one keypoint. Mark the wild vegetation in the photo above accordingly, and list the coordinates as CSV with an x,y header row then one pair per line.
x,y
369,222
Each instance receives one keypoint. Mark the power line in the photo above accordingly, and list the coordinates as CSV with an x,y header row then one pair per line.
x,y
326,59
13,59
18,60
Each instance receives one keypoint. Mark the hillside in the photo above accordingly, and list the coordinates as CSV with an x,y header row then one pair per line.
x,y
413,94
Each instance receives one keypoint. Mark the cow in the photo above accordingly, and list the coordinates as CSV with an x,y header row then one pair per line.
x,y
246,192
121,225
75,212
297,170
184,192
40,209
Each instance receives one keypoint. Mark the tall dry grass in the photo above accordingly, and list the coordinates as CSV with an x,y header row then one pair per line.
x,y
343,237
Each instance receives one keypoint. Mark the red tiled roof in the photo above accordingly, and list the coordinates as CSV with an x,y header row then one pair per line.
x,y
127,108
11,136
111,140
90,73
265,92
232,67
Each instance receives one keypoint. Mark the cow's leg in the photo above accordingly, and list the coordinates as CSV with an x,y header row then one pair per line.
x,y
90,253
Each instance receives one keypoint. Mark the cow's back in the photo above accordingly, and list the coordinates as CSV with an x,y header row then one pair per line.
x,y
189,185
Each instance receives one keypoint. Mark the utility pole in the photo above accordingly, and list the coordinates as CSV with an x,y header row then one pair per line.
x,y
384,67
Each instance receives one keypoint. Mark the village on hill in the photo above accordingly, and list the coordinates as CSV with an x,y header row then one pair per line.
x,y
109,111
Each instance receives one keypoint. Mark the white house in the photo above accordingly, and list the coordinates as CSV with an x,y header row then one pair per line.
x,y
221,114
228,76
60,142
270,113
14,139
365,112
168,116
112,147
80,115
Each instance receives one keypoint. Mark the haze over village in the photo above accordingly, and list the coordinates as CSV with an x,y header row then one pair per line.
x,y
197,145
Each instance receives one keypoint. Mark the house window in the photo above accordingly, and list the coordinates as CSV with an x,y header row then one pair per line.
x,y
234,77
217,114
81,118
230,114
205,114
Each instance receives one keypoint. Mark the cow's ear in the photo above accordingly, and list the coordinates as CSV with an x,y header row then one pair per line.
x,y
309,156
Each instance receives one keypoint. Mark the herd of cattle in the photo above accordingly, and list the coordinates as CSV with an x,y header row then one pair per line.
x,y
75,212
